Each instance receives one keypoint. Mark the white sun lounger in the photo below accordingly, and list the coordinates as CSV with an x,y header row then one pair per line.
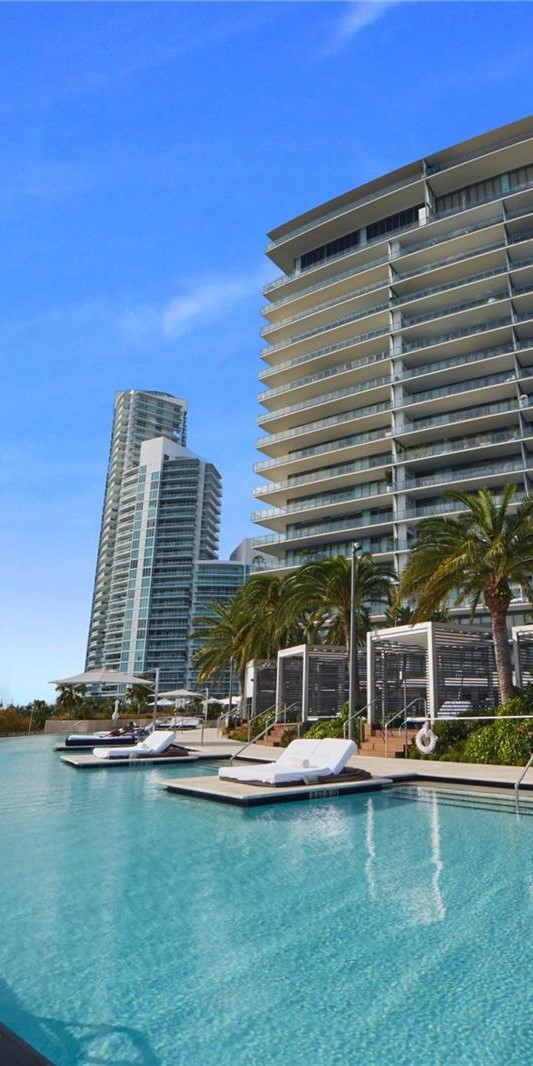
x,y
303,760
154,744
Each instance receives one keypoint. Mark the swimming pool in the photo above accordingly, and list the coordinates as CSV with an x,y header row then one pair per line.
x,y
145,929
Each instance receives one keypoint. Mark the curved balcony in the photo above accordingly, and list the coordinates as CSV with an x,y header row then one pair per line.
x,y
323,398
328,527
456,361
320,375
353,441
327,473
322,500
350,294
319,353
309,428
453,390
345,209
347,320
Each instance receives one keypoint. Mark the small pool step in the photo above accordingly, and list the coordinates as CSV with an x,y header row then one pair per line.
x,y
485,801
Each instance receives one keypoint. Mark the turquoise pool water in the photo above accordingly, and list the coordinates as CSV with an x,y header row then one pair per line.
x,y
145,929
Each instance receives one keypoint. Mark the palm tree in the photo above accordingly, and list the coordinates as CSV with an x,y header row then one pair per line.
x,y
324,587
70,698
477,555
249,626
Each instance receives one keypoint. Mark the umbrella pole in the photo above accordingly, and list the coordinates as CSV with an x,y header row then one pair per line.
x,y
156,694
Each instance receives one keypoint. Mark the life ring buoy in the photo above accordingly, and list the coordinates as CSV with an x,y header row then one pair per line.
x,y
425,740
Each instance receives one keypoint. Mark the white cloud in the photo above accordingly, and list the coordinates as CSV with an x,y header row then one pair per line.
x,y
357,17
207,300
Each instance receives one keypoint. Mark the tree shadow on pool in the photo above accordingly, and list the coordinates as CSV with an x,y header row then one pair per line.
x,y
75,1044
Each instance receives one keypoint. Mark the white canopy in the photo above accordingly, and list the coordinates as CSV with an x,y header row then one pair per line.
x,y
180,694
102,677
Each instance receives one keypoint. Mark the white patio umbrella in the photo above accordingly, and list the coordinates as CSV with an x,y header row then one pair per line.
x,y
102,677
180,694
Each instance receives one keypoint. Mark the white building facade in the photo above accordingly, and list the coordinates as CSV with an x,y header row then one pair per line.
x,y
399,358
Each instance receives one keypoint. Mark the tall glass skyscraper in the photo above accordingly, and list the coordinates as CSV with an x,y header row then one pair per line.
x,y
160,525
399,358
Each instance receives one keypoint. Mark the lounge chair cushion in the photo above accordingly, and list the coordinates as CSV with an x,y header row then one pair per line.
x,y
322,758
154,744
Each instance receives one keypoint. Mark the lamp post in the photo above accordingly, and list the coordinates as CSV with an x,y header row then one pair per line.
x,y
155,672
352,664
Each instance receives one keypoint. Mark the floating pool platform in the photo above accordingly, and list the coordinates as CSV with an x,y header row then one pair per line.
x,y
92,762
87,761
239,794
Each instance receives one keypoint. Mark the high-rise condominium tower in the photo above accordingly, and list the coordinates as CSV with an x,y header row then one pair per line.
x,y
400,352
160,522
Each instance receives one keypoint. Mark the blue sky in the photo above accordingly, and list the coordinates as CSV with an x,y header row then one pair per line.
x,y
146,150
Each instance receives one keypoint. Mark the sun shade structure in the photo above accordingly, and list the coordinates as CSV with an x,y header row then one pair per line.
x,y
102,677
180,694
313,678
523,654
434,664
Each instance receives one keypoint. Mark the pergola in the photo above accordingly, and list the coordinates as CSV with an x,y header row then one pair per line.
x,y
314,678
523,654
260,686
431,663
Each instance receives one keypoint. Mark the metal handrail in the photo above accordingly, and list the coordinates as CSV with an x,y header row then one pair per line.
x,y
358,714
271,719
393,719
521,778
284,711
269,710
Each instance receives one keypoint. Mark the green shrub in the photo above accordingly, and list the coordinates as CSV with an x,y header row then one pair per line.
x,y
12,721
500,742
240,733
327,727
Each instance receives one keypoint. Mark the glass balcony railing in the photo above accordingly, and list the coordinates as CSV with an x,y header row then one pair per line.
x,y
323,423
456,258
344,210
457,360
359,269
328,526
455,309
467,413
441,338
481,470
457,283
327,397
298,315
329,371
448,235
446,507
327,472
451,390
460,444
326,350
505,142
299,557
324,499
322,449
324,328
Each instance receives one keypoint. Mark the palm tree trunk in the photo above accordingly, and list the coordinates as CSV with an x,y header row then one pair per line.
x,y
502,652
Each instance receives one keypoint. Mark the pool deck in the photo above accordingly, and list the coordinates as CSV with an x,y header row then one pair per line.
x,y
85,760
385,774
239,794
